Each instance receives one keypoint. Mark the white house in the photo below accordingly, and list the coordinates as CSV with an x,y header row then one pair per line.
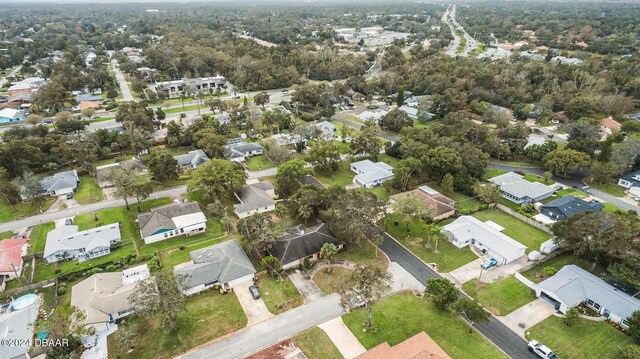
x,y
573,285
66,242
372,115
239,150
172,220
517,189
487,237
328,129
255,198
17,325
224,264
11,115
370,174
11,252
104,297
631,181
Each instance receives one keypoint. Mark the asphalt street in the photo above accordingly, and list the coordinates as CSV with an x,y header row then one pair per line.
x,y
508,341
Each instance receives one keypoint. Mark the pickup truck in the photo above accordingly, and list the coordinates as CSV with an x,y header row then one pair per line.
x,y
541,350
492,262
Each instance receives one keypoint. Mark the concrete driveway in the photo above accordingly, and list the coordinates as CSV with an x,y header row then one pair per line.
x,y
472,270
343,338
255,310
306,286
468,271
403,280
527,316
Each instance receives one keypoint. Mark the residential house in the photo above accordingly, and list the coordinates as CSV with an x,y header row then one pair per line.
x,y
487,237
419,346
411,112
609,125
301,242
104,172
104,297
255,198
573,285
414,101
17,325
328,130
372,115
11,252
84,97
631,181
535,140
285,139
59,184
279,108
518,190
223,119
224,264
370,174
66,242
28,85
238,151
11,115
89,104
566,60
568,206
440,205
192,159
171,220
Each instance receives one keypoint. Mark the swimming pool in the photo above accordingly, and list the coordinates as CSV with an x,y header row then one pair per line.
x,y
24,301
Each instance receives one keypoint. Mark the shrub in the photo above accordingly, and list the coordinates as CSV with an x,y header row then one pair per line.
x,y
549,271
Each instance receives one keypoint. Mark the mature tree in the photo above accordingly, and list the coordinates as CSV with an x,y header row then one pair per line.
x,y
31,188
442,292
160,296
584,136
447,183
123,178
325,156
604,172
634,326
217,178
71,126
275,152
571,316
136,113
403,172
272,265
210,141
626,271
580,106
441,160
138,137
451,100
67,323
472,311
160,115
411,208
366,286
9,191
395,120
289,176
626,155
307,202
488,193
368,142
565,162
497,115
163,167
88,112
328,252
261,99
354,214
141,190
258,231
276,118
537,152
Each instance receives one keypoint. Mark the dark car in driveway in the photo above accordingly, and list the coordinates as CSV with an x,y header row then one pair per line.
x,y
254,292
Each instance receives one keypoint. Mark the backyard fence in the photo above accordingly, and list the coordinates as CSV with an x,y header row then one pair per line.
x,y
524,218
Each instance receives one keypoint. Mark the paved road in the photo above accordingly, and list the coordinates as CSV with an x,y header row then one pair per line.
x,y
124,87
497,332
269,332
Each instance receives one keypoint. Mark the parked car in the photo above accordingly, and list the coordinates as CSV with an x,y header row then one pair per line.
x,y
285,91
68,222
541,350
254,292
492,262
69,195
357,302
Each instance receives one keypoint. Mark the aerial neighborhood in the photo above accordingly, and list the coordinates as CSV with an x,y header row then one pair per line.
x,y
291,180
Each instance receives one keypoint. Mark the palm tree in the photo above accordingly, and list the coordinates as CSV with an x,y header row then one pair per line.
x,y
434,231
328,252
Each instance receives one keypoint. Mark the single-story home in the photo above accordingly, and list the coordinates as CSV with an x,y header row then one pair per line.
x,y
17,325
328,129
487,237
104,297
441,205
419,346
609,125
89,104
414,101
255,198
518,190
412,112
11,115
224,264
567,206
171,220
66,242
11,252
59,184
223,119
28,85
535,140
630,181
372,115
301,242
370,174
238,152
573,285
83,97
103,172
192,159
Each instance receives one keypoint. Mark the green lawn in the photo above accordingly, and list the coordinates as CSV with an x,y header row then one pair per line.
x,y
209,315
213,234
380,191
448,258
535,178
571,191
203,109
88,191
612,208
610,188
169,257
536,274
38,236
401,316
501,297
7,234
332,282
279,296
315,343
515,228
340,178
21,210
583,339
490,173
365,253
463,203
257,163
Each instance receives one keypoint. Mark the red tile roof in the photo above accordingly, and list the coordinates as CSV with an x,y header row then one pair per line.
x,y
11,253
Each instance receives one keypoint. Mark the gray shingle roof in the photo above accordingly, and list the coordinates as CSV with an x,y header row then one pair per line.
x,y
161,217
517,186
254,196
241,149
17,325
69,238
302,242
569,206
633,177
60,180
192,159
222,262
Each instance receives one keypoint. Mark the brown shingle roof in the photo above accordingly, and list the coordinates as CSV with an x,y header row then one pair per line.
x,y
438,203
419,346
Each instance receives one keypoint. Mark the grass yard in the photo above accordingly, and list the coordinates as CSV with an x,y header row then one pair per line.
x,y
340,178
315,343
279,296
7,234
88,191
612,208
536,274
501,297
571,191
332,282
257,163
213,234
364,254
520,231
448,258
610,188
490,173
463,203
535,178
583,339
380,191
209,315
21,210
401,316
38,236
